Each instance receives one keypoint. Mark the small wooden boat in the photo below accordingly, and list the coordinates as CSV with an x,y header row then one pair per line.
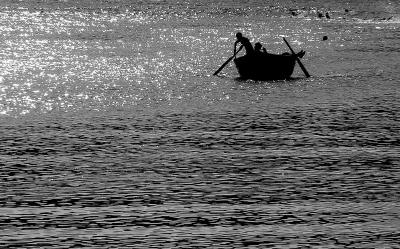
x,y
265,66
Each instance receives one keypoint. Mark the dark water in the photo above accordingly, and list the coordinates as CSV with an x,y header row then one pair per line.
x,y
115,134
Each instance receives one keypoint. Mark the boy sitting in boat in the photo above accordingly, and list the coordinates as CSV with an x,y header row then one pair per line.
x,y
260,50
258,47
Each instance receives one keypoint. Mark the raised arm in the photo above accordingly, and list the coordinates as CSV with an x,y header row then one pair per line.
x,y
234,46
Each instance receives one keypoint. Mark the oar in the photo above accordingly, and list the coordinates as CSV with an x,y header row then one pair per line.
x,y
226,62
297,59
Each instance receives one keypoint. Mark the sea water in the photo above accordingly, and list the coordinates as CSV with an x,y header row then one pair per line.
x,y
116,134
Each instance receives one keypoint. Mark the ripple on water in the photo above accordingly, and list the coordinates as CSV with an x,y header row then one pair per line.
x,y
123,139
311,177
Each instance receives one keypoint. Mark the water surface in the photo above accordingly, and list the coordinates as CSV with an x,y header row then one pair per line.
x,y
115,134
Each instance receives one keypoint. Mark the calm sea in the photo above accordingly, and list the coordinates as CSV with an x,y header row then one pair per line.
x,y
115,134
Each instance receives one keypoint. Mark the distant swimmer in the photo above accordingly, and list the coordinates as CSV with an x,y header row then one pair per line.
x,y
245,42
327,15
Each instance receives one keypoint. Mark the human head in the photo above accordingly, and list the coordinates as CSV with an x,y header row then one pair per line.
x,y
239,35
257,46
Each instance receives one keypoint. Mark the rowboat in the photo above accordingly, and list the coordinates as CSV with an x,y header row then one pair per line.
x,y
265,66
261,65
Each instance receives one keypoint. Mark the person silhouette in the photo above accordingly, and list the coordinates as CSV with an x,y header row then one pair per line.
x,y
245,42
258,48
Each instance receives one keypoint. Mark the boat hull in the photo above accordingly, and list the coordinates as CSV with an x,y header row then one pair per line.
x,y
265,66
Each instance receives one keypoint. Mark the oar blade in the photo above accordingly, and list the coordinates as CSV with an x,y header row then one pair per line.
x,y
227,61
223,65
297,59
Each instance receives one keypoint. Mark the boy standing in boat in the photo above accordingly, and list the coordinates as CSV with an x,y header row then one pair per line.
x,y
245,42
